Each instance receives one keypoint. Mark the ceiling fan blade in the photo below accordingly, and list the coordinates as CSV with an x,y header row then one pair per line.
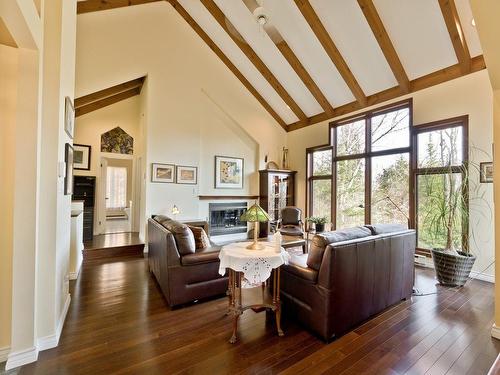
x,y
251,4
273,33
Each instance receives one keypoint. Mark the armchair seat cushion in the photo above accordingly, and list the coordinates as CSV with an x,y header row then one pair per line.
x,y
297,265
206,255
291,230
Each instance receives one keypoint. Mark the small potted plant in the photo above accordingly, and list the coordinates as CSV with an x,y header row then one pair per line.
x,y
318,221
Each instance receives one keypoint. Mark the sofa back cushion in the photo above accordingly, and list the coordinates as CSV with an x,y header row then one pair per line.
x,y
184,238
161,218
386,228
322,240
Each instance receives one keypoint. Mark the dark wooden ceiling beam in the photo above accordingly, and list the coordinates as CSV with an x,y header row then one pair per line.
x,y
331,49
297,66
219,16
88,6
455,71
110,91
385,43
104,102
452,20
184,14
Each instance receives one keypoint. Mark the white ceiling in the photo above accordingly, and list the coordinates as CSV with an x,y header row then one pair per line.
x,y
415,27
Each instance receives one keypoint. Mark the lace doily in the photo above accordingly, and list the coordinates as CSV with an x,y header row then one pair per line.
x,y
256,265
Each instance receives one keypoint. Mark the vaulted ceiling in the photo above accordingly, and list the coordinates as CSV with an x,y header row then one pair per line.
x,y
311,60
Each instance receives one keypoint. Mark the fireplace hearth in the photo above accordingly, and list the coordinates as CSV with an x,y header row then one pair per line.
x,y
225,218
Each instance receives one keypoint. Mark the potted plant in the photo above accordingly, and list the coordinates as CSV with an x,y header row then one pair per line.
x,y
318,221
444,213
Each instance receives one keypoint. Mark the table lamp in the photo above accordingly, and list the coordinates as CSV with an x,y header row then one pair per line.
x,y
255,214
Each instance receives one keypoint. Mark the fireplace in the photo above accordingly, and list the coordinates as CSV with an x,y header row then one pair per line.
x,y
225,218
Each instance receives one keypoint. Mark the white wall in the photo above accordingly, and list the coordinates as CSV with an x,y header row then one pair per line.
x,y
470,95
189,95
8,102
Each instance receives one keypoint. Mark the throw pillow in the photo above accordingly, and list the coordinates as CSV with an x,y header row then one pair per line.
x,y
200,237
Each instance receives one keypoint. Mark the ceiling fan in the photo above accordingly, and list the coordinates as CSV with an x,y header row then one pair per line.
x,y
262,18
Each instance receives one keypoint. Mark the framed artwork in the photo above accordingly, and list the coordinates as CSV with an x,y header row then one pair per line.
x,y
163,173
81,157
69,117
228,172
68,180
486,172
187,175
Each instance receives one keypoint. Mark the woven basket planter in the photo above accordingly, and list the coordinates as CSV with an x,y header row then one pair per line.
x,y
451,269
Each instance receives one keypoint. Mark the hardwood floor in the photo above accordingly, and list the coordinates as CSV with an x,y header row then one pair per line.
x,y
118,323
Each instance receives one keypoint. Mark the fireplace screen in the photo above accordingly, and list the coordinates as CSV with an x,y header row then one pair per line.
x,y
225,218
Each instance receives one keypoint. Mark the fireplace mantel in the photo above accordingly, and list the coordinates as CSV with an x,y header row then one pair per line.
x,y
226,197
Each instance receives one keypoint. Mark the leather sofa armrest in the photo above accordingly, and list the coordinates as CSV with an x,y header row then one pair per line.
x,y
305,273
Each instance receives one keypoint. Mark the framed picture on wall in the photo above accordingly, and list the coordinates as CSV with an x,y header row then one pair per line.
x,y
68,179
187,175
81,157
228,172
163,173
69,117
486,172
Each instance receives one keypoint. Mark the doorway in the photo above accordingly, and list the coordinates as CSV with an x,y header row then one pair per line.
x,y
117,186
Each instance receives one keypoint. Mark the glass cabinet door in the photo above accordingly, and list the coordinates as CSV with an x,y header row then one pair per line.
x,y
280,194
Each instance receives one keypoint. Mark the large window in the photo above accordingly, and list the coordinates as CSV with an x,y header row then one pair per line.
x,y
363,175
440,161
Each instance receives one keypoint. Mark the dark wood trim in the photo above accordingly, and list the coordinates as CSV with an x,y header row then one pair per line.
x,y
211,44
459,121
98,5
221,19
429,80
110,91
457,36
94,106
227,197
301,71
385,43
331,49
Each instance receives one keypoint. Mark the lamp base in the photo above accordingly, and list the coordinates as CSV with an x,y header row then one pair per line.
x,y
255,246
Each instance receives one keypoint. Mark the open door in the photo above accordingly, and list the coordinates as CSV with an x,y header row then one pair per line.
x,y
101,198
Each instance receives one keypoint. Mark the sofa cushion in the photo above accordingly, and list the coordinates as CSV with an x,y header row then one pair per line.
x,y
297,265
184,238
321,241
205,255
200,237
386,228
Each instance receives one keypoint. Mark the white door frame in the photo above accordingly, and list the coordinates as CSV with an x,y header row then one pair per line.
x,y
101,190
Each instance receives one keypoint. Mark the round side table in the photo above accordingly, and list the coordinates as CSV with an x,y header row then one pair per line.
x,y
249,271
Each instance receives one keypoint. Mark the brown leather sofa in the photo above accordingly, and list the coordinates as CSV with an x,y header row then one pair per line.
x,y
183,272
348,276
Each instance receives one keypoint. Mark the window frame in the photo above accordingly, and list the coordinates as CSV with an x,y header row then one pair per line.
x,y
311,178
369,154
462,121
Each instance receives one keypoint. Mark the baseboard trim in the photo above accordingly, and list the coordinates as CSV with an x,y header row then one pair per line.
x,y
23,357
51,341
495,332
473,275
74,275
4,353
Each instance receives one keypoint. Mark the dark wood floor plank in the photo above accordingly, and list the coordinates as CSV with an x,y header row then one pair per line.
x,y
119,323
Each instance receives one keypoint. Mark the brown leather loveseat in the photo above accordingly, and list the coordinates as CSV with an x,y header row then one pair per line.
x,y
348,276
183,272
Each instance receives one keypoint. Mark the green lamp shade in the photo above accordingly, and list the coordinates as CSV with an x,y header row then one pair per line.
x,y
255,213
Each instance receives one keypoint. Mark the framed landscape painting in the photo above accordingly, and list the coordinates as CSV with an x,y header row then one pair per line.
x,y
81,157
187,175
228,172
68,180
486,172
69,117
163,173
